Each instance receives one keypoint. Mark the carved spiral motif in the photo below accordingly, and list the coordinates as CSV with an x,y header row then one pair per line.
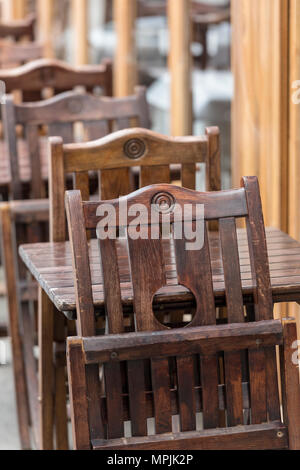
x,y
164,203
75,107
134,149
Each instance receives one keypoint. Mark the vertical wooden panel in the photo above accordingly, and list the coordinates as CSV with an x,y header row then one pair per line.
x,y
18,9
80,29
294,132
180,67
45,18
260,108
125,12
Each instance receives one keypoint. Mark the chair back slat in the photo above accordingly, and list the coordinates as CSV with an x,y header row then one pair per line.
x,y
231,268
235,313
188,176
156,155
258,251
155,175
115,183
63,129
265,363
194,272
146,258
201,284
9,125
84,294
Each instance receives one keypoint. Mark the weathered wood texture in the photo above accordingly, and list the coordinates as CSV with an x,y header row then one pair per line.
x,y
154,353
180,62
116,154
125,64
45,10
58,116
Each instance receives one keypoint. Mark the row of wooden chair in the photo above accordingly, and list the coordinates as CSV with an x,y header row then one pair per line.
x,y
142,384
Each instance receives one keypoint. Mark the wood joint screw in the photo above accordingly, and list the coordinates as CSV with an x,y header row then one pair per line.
x,y
280,434
114,355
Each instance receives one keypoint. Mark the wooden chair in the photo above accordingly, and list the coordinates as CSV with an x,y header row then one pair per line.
x,y
113,156
27,221
20,29
14,54
174,376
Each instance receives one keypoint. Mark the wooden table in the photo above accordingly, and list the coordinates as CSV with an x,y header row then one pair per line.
x,y
51,265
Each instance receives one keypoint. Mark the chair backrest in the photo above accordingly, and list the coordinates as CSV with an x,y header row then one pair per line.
x,y
161,374
19,29
148,153
60,115
13,55
44,75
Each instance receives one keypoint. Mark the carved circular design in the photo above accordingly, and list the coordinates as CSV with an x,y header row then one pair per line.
x,y
134,149
164,203
74,106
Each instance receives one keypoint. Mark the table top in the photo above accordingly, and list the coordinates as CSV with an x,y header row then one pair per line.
x,y
51,265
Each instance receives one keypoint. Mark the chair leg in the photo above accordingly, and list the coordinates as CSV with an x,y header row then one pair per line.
x,y
290,382
45,339
30,368
61,417
13,308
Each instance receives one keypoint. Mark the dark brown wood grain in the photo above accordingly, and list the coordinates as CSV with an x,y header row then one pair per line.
x,y
19,29
166,358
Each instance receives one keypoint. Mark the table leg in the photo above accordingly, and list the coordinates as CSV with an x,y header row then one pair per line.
x,y
46,372
61,418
